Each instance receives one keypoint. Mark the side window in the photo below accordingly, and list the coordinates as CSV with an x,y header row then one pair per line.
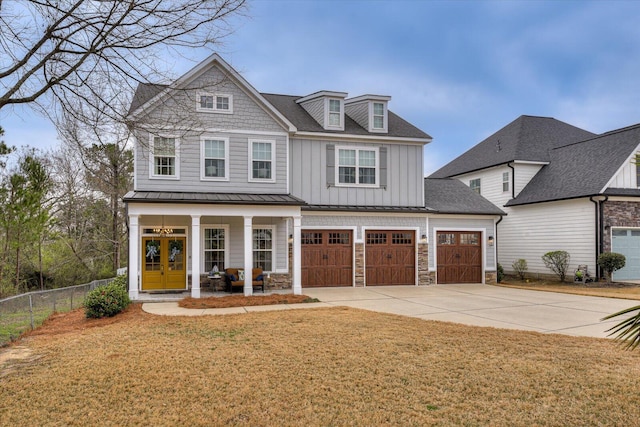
x,y
165,157
474,184
505,181
263,248
214,159
261,160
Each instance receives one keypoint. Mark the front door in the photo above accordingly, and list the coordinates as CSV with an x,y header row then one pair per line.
x,y
163,263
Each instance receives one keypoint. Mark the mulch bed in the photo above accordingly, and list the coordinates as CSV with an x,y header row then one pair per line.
x,y
242,301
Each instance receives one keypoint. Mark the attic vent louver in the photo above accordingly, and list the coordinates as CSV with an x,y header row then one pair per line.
x,y
498,146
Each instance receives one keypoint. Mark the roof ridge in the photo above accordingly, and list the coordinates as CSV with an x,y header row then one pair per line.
x,y
602,135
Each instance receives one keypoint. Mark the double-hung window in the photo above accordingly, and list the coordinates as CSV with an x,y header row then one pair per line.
x,y
474,184
378,116
215,245
215,158
165,159
214,103
357,166
505,181
263,248
261,160
334,117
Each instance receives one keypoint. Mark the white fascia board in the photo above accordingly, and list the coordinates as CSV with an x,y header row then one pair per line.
x,y
322,94
364,98
529,162
385,138
630,159
203,209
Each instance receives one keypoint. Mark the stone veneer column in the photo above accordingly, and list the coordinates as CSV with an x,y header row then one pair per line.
x,y
424,278
359,267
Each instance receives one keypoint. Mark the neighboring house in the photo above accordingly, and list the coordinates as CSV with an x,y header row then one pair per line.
x,y
563,188
317,190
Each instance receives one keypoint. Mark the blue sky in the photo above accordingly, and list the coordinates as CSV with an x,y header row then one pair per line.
x,y
459,70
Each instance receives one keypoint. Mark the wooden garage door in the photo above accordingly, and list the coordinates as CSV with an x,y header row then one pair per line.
x,y
390,257
327,258
459,257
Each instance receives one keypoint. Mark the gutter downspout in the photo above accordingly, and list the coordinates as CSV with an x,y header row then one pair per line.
x,y
496,243
599,231
513,183
600,216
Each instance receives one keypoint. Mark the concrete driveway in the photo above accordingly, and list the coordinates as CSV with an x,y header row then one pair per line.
x,y
484,305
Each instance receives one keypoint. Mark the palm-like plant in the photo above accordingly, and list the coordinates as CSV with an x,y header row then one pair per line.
x,y
628,331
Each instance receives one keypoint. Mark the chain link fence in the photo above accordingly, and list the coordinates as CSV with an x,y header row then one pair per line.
x,y
25,312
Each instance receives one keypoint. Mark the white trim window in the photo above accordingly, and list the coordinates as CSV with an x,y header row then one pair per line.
x,y
215,247
474,184
261,161
334,118
263,245
505,182
378,116
357,166
214,102
165,158
214,159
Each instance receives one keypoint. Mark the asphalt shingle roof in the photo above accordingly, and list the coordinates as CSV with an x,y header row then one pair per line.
x,y
527,138
582,169
452,196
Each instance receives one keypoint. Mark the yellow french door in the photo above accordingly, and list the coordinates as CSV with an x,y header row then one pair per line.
x,y
164,263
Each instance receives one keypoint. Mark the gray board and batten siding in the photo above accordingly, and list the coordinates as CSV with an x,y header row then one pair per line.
x,y
312,161
318,220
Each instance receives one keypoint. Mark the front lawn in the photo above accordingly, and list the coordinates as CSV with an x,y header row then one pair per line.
x,y
337,366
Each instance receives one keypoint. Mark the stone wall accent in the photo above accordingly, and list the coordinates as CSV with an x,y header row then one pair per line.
x,y
424,277
359,267
619,214
278,281
490,277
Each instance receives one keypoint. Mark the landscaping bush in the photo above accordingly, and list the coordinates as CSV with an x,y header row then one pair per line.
x,y
520,267
500,273
558,262
610,262
107,301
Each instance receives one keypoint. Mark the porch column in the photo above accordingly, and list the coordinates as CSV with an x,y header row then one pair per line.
x,y
195,256
296,280
134,256
248,256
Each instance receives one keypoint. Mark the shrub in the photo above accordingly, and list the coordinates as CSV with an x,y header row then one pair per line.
x,y
500,273
520,267
610,262
107,301
558,262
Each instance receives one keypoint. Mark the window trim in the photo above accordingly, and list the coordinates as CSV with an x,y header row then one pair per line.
x,y
327,113
227,249
506,179
273,160
203,177
357,166
214,109
273,244
372,115
152,156
479,190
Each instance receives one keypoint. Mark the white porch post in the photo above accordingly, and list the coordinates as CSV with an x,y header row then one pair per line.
x,y
248,256
195,256
134,256
296,280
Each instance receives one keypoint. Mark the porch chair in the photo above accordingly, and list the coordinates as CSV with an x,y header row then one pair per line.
x,y
232,279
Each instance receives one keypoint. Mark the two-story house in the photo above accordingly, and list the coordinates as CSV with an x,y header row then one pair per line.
x,y
563,188
317,190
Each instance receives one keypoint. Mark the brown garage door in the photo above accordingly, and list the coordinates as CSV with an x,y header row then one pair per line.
x,y
327,258
390,257
459,257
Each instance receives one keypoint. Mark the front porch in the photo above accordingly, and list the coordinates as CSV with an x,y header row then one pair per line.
x,y
173,247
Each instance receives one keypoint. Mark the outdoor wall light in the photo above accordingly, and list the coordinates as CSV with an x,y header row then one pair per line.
x,y
424,237
490,240
290,238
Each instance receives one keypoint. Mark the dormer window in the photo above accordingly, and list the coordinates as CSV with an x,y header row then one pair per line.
x,y
335,113
378,116
214,103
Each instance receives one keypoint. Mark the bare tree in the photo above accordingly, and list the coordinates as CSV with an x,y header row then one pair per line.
x,y
93,51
